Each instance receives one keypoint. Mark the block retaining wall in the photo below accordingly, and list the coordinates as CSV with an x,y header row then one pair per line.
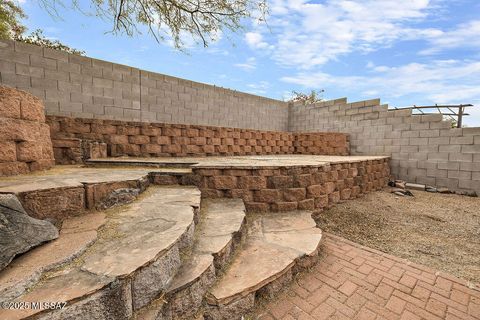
x,y
423,148
263,189
155,139
25,144
287,188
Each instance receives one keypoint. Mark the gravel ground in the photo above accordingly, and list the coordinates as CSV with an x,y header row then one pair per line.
x,y
438,230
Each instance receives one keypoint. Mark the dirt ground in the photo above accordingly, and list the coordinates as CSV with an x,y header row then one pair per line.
x,y
437,230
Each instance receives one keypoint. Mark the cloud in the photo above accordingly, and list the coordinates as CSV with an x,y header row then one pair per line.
x,y
439,81
255,40
465,35
248,65
259,88
306,35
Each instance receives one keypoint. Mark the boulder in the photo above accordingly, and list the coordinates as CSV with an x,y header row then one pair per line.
x,y
18,231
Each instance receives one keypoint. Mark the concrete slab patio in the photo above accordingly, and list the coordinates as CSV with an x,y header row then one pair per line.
x,y
351,281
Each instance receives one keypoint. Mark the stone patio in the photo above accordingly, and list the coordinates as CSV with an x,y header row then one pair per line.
x,y
253,161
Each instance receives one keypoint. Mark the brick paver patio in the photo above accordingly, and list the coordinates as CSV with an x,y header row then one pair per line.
x,y
355,282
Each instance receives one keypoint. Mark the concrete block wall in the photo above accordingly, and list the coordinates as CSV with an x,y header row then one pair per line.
x,y
76,86
423,148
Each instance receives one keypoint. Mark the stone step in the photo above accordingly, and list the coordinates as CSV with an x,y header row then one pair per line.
x,y
67,191
142,162
133,260
217,235
74,238
277,246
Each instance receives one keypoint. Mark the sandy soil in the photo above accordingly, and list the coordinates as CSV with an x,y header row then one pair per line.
x,y
438,230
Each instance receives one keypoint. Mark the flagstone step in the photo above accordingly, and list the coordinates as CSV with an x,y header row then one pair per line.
x,y
134,258
172,162
217,235
75,236
277,245
67,191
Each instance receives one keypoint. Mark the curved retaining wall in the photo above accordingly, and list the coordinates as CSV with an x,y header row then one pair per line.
x,y
287,188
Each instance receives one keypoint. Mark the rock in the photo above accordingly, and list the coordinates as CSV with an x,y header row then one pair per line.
x,y
400,192
18,231
443,190
430,189
400,184
118,197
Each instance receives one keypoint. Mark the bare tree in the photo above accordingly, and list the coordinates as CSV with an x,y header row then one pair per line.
x,y
203,20
12,28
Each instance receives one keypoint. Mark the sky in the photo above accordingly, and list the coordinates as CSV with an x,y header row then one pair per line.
x,y
408,52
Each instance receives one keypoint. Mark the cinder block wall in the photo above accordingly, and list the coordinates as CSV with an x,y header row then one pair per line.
x,y
423,149
83,87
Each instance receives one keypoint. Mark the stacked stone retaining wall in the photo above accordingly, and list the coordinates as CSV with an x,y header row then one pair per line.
x,y
139,139
287,188
25,144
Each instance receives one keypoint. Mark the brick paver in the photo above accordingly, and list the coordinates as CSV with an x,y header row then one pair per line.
x,y
356,282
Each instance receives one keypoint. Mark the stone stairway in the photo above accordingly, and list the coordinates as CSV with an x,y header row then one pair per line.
x,y
132,260
167,255
219,232
233,263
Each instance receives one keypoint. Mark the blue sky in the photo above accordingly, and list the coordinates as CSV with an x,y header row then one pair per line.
x,y
405,52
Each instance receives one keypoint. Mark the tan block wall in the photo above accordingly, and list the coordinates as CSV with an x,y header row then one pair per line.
x,y
287,188
322,143
423,149
25,143
83,87
155,140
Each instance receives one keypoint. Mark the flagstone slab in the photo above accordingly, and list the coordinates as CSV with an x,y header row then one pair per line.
x,y
275,243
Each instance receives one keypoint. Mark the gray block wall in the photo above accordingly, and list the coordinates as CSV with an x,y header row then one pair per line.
x,y
83,87
424,148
